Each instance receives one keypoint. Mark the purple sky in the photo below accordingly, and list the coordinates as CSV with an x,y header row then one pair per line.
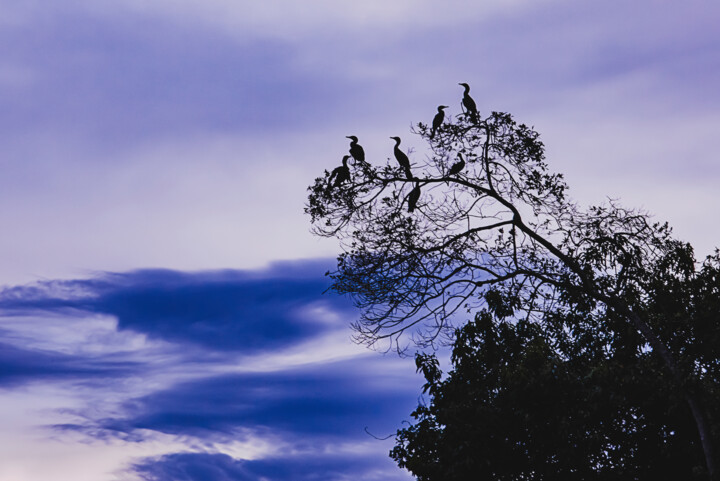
x,y
163,315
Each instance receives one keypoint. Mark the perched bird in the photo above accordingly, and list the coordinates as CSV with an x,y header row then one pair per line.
x,y
414,196
457,166
340,174
468,102
438,120
356,149
402,158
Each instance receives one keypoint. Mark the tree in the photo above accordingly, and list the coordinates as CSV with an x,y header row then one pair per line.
x,y
499,232
525,401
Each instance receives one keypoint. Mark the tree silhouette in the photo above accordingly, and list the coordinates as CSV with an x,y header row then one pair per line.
x,y
532,401
502,233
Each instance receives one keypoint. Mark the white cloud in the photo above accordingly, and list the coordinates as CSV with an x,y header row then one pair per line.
x,y
288,18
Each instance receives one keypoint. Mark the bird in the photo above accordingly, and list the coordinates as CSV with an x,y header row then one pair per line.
x,y
438,120
457,166
402,158
414,196
340,174
468,102
356,149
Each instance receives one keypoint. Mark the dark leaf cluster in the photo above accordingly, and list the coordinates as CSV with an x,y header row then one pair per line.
x,y
525,402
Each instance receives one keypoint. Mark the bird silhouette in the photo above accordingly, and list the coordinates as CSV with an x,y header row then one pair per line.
x,y
414,196
468,102
340,174
356,149
457,166
402,158
438,120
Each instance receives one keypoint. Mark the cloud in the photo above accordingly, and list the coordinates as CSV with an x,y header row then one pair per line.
x,y
131,72
152,329
113,113
19,366
280,18
242,311
319,403
126,82
221,467
189,467
225,364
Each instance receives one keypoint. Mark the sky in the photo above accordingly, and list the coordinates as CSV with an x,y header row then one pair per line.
x,y
163,314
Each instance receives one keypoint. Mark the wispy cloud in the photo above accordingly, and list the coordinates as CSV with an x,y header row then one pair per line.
x,y
220,467
233,365
19,366
327,403
243,311
144,122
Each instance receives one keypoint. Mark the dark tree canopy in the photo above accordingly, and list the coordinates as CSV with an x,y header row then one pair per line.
x,y
575,398
478,221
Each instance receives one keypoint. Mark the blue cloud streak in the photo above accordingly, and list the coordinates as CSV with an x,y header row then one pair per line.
x,y
242,311
18,366
220,467
219,318
334,401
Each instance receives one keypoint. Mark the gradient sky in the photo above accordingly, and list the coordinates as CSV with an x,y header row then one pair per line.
x,y
162,307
